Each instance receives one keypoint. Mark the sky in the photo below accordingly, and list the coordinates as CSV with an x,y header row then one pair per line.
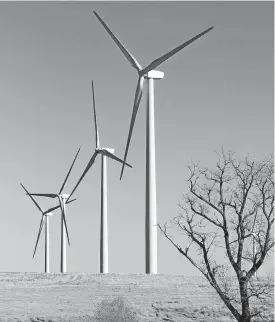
x,y
216,92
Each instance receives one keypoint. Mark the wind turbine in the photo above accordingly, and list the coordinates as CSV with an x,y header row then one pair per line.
x,y
105,152
150,74
44,220
63,200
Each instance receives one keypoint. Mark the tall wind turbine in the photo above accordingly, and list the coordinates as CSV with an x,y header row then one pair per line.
x,y
105,152
44,220
150,74
63,200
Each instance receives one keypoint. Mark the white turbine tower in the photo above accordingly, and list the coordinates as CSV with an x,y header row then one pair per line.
x,y
63,200
105,152
150,74
44,220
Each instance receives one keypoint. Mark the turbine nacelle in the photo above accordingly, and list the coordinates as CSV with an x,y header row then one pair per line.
x,y
48,214
64,196
100,150
155,74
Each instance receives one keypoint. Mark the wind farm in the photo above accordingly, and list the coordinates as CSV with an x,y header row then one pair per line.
x,y
91,75
146,75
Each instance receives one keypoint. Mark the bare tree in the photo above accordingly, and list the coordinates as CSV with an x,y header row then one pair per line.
x,y
225,212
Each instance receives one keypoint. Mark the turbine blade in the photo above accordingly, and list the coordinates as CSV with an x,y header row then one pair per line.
x,y
112,156
56,207
37,205
71,200
51,209
126,53
96,129
39,233
49,195
62,187
138,96
172,52
92,160
64,220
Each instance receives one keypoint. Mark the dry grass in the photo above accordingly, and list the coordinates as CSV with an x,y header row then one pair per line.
x,y
76,297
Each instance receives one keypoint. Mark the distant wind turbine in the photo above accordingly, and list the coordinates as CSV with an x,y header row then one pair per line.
x,y
150,74
44,219
63,200
105,152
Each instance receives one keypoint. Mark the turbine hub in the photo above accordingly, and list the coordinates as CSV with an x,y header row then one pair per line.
x,y
155,74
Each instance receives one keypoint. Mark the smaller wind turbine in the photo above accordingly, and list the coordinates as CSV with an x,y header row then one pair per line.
x,y
63,200
105,152
44,220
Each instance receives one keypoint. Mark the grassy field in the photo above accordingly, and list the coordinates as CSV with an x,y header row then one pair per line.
x,y
75,297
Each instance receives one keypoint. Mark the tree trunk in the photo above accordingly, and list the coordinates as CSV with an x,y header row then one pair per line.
x,y
245,317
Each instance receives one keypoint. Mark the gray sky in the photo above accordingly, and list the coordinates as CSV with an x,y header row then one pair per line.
x,y
218,91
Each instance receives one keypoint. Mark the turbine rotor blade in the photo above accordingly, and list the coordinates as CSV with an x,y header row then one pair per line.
x,y
137,100
48,195
126,53
112,156
56,207
90,163
64,220
96,129
50,210
70,201
37,205
62,187
172,52
39,233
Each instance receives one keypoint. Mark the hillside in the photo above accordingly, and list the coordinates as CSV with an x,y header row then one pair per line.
x,y
74,297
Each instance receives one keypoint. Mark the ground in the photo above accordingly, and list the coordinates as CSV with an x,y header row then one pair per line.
x,y
74,297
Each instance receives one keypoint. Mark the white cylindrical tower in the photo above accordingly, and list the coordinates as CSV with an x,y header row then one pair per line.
x,y
103,219
151,207
47,244
63,263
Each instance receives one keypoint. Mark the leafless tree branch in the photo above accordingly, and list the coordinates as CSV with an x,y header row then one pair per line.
x,y
229,208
